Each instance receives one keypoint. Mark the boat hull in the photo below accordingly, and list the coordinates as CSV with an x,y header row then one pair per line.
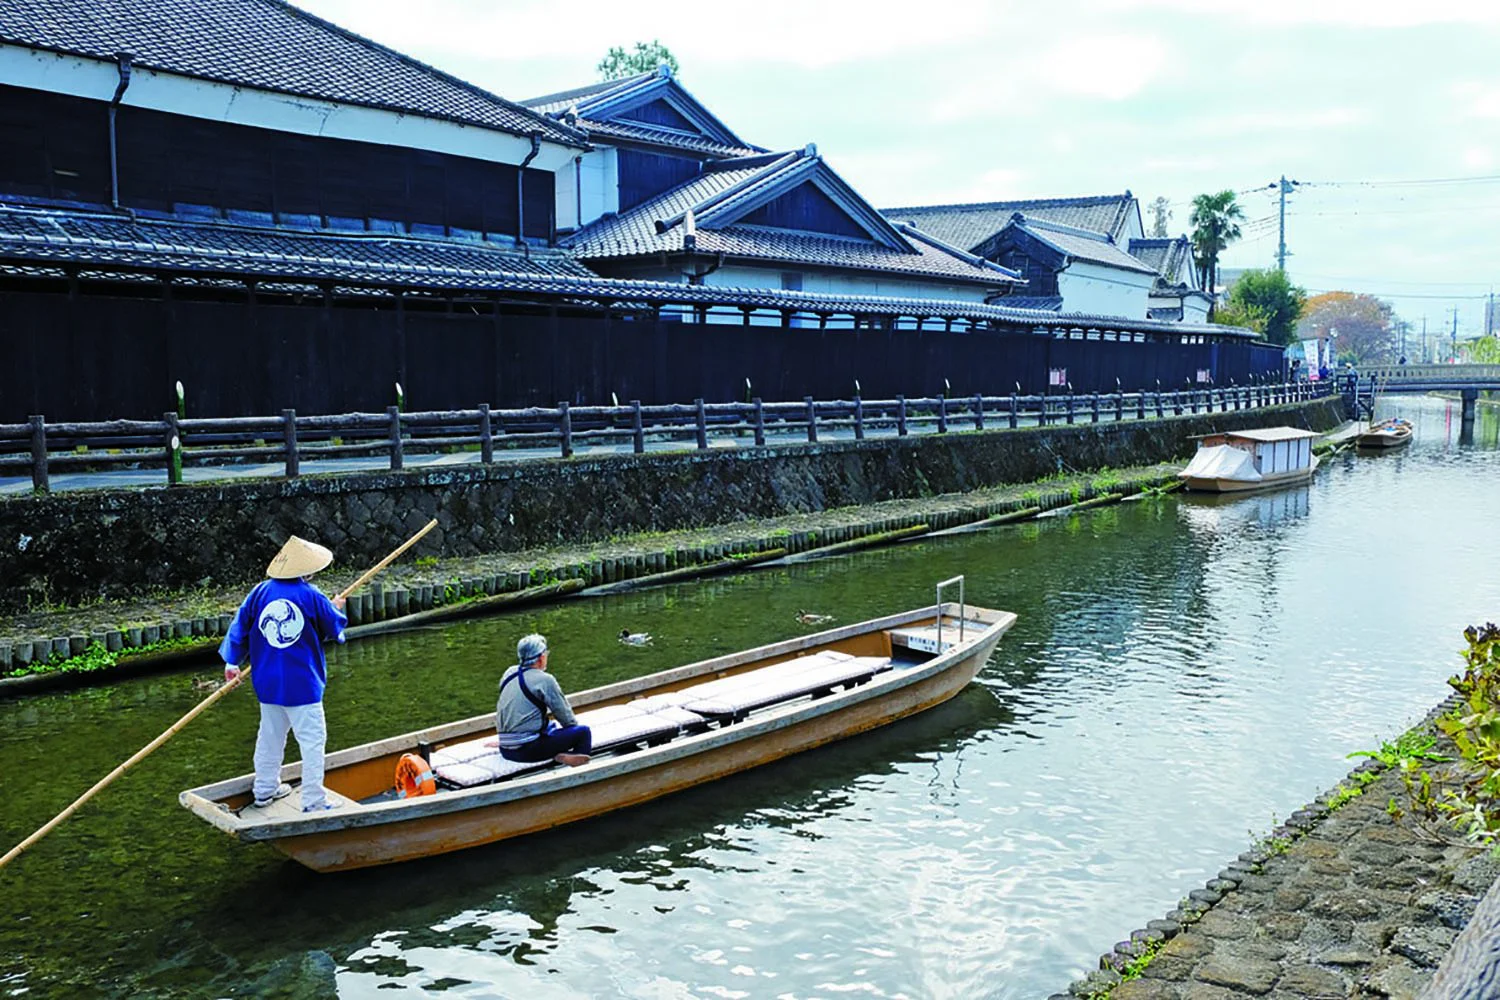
x,y
422,837
1273,481
364,832
1383,441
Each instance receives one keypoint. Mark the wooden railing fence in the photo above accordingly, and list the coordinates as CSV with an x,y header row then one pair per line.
x,y
175,442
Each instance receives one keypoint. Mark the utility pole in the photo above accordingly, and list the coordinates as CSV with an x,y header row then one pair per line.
x,y
1284,187
1453,353
1426,358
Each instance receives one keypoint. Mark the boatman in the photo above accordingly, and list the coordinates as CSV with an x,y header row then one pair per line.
x,y
527,694
281,629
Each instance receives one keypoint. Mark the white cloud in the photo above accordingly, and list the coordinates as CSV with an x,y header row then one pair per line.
x,y
1353,13
1479,100
795,32
1113,67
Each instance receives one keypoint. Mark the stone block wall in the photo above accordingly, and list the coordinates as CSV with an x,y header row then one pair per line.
x,y
70,547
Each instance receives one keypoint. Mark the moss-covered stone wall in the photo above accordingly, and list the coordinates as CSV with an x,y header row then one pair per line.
x,y
70,547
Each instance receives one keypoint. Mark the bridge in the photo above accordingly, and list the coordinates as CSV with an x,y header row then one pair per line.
x,y
1468,381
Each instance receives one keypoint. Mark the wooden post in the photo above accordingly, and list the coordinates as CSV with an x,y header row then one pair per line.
x,y
859,419
173,442
812,420
942,414
637,428
486,435
1070,407
565,428
1177,403
393,415
1159,412
978,412
702,424
760,423
39,480
901,416
1015,416
1119,406
1140,405
1094,414
289,436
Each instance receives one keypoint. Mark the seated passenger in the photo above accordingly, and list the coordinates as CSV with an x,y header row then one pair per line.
x,y
527,693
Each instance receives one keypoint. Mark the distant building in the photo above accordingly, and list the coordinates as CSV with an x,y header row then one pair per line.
x,y
1086,254
1177,293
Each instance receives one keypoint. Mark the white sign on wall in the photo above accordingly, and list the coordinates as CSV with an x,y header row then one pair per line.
x,y
1057,376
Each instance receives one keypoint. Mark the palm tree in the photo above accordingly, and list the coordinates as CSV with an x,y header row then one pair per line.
x,y
1216,224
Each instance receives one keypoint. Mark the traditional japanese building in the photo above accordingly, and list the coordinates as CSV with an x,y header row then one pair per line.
x,y
278,213
1078,254
669,193
1177,293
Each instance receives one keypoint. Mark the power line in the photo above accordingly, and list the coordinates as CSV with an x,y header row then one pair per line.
x,y
1479,179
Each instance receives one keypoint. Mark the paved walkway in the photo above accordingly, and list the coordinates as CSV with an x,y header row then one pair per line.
x,y
1359,905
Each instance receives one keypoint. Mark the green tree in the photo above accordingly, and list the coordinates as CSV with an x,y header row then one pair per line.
x,y
1161,216
1275,299
645,58
1485,351
1216,222
1243,314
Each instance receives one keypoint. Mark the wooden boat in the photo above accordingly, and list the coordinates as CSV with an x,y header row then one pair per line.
x,y
652,736
1236,461
1392,433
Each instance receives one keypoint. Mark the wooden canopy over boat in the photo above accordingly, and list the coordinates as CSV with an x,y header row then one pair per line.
x,y
1237,461
653,735
1392,433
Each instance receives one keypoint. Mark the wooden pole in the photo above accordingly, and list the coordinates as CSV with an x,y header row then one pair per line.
x,y
192,714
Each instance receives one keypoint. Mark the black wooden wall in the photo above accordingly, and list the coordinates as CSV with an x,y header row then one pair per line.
x,y
57,147
97,356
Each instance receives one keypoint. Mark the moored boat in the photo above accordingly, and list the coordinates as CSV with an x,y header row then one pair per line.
x,y
653,735
1237,461
1392,433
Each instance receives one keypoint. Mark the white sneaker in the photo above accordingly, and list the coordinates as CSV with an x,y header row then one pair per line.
x,y
282,791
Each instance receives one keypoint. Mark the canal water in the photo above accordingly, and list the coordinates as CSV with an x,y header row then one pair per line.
x,y
1184,672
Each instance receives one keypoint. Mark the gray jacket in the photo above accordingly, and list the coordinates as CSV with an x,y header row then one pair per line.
x,y
517,720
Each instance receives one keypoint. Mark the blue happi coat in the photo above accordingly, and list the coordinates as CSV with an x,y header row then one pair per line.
x,y
281,629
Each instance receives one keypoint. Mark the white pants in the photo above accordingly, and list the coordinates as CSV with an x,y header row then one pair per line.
x,y
270,749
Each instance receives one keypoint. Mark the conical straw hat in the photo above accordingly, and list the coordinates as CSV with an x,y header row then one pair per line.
x,y
298,557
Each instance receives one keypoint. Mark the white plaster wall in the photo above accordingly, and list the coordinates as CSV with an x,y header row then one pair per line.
x,y
1104,291
1133,229
1194,309
845,283
588,187
97,79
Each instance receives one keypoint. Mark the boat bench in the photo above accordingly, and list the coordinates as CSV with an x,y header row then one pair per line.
x,y
733,697
660,718
924,638
612,727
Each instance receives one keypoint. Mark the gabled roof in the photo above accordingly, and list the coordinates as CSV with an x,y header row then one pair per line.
x,y
603,109
1076,244
969,225
265,45
1172,259
720,198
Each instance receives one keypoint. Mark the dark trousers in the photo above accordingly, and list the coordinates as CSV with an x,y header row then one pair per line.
x,y
566,739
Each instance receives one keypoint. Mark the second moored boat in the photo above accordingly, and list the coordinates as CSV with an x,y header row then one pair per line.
x,y
1238,461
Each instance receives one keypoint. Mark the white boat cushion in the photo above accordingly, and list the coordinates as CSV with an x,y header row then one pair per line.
x,y
472,763
781,682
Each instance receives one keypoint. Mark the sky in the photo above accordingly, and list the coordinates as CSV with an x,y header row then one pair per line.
x,y
1386,113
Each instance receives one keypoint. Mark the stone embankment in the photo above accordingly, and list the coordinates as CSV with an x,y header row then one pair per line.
x,y
1340,901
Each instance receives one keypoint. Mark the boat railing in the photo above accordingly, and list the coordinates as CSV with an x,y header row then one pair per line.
x,y
938,608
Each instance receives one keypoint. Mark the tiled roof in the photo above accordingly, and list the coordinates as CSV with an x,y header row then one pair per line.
x,y
34,240
600,105
655,227
620,130
970,225
1049,303
1081,244
266,45
1172,259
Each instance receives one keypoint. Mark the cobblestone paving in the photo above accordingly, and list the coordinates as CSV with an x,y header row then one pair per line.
x,y
1359,905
